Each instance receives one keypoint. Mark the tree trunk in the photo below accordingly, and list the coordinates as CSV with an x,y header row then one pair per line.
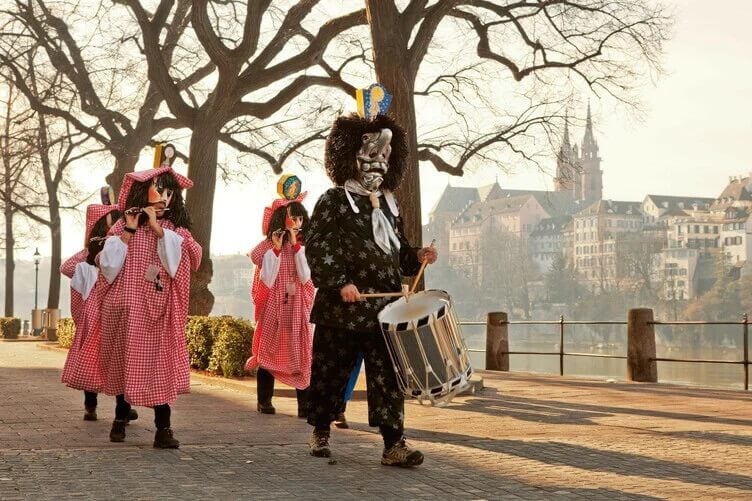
x,y
202,170
10,264
390,50
53,296
124,163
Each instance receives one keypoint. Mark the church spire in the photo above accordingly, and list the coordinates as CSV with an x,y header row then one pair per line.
x,y
589,138
590,161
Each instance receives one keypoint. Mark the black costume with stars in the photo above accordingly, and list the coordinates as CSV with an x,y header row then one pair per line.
x,y
341,250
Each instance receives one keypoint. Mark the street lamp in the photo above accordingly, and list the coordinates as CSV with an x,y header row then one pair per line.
x,y
37,259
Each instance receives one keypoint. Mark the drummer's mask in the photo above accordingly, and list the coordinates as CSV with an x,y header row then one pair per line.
x,y
373,158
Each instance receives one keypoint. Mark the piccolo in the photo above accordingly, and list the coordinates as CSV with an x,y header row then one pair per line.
x,y
139,210
282,232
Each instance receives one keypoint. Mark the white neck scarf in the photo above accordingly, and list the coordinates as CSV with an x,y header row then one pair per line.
x,y
383,233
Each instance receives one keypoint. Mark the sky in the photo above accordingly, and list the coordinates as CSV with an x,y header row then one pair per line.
x,y
692,137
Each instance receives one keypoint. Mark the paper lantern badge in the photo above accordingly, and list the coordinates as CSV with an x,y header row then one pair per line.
x,y
373,101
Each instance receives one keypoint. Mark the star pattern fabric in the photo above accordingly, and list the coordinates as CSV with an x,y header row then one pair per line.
x,y
341,250
386,405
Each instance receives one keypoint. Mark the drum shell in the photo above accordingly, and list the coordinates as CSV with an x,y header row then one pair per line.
x,y
428,352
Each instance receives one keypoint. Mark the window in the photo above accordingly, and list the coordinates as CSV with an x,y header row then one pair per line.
x,y
697,228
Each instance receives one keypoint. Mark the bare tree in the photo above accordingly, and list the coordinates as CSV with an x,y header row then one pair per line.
x,y
604,45
638,260
202,58
116,105
15,153
506,269
246,62
55,148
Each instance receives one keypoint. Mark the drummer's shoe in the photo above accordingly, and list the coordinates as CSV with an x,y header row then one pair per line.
x,y
341,421
319,444
90,414
266,408
401,455
163,439
132,416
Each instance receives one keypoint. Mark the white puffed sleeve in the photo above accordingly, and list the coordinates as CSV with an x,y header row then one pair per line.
x,y
84,279
170,251
112,257
269,268
301,264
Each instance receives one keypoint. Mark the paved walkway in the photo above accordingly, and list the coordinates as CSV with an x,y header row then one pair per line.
x,y
522,437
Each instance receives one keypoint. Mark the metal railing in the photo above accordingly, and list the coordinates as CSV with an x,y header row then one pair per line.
x,y
561,352
744,322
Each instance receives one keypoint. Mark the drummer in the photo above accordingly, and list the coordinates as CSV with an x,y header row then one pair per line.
x,y
356,245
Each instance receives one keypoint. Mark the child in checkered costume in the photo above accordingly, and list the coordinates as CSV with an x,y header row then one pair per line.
x,y
147,263
282,294
83,273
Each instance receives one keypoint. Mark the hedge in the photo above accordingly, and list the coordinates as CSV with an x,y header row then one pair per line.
x,y
10,327
66,329
219,344
232,346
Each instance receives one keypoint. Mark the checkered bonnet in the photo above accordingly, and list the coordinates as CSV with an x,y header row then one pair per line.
x,y
145,175
276,204
94,213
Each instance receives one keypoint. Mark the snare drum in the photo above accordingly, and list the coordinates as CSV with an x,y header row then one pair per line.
x,y
426,346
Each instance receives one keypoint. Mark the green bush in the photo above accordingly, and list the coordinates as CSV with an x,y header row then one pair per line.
x,y
10,328
199,337
66,329
232,345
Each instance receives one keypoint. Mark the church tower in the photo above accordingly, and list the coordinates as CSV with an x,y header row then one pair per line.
x,y
578,170
568,178
590,164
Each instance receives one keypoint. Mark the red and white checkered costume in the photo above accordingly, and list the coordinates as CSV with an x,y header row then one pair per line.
x,y
283,339
138,343
75,265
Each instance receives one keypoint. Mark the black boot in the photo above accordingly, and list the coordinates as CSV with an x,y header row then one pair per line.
x,y
163,439
90,414
302,396
266,408
117,433
132,416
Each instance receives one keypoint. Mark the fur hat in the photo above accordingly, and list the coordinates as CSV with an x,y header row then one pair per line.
x,y
345,139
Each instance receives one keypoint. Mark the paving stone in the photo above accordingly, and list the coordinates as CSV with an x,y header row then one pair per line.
x,y
523,436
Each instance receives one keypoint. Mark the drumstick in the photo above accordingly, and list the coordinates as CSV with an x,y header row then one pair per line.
x,y
420,272
382,294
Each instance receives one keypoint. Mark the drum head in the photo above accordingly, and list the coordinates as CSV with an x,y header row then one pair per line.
x,y
419,305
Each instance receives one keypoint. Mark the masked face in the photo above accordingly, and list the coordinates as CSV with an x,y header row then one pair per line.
x,y
159,196
373,158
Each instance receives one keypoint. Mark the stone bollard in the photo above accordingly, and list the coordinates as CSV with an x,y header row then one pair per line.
x,y
641,364
497,341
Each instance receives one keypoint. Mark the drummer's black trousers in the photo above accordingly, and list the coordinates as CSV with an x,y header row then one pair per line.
x,y
334,354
